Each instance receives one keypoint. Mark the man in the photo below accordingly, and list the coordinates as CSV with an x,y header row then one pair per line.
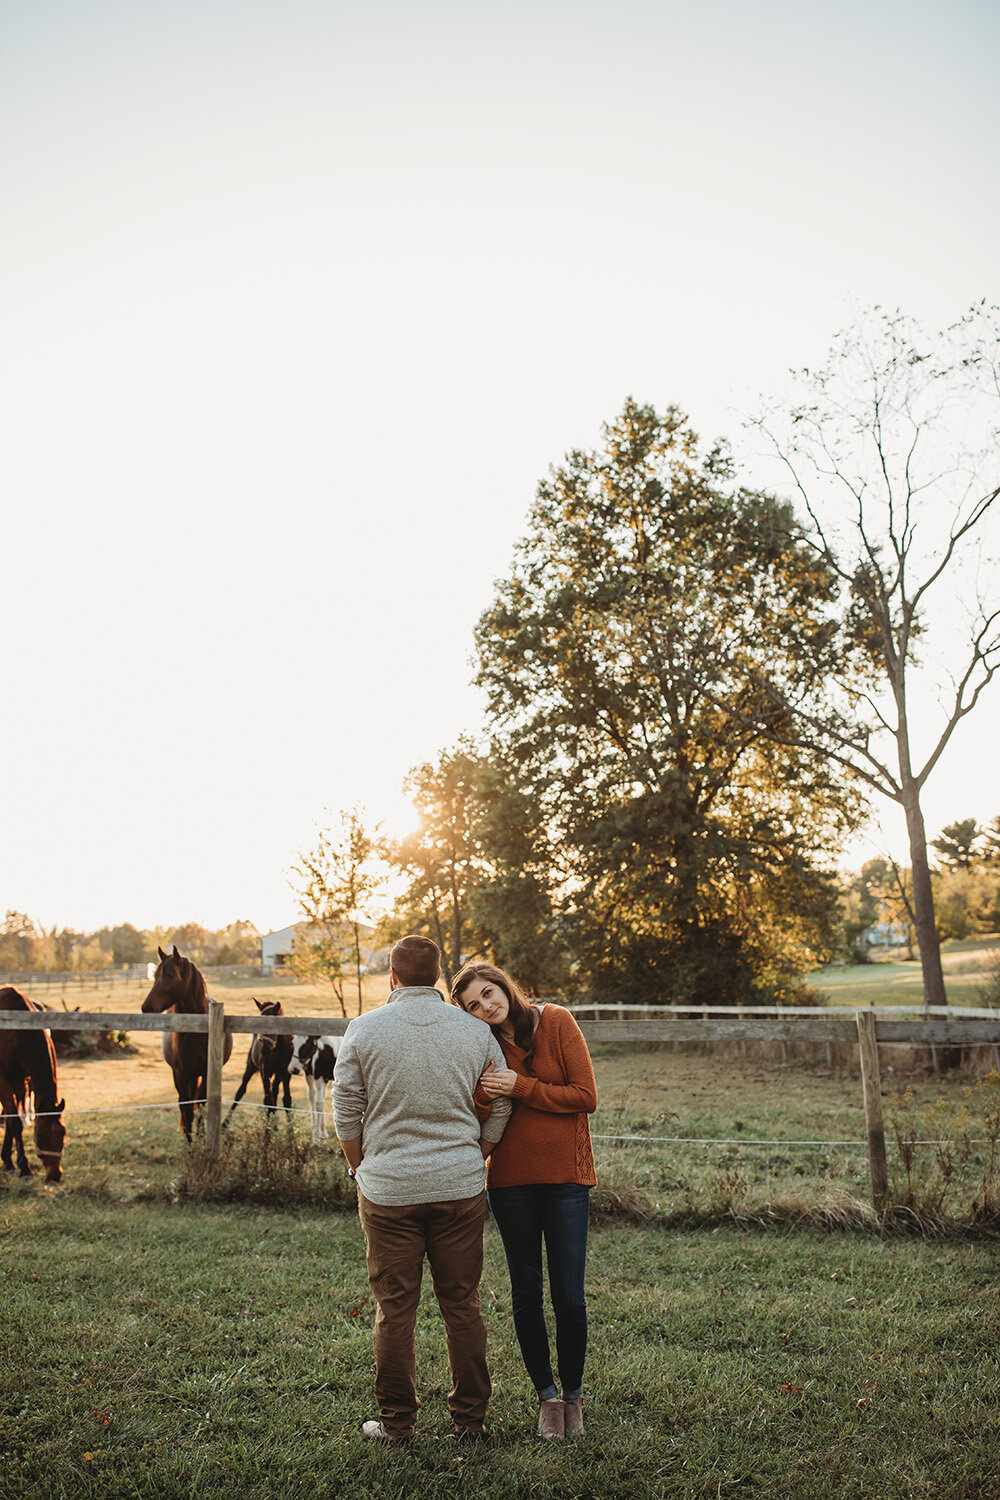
x,y
404,1112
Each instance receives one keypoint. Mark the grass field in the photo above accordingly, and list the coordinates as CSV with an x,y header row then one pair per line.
x,y
162,1351
152,1345
966,963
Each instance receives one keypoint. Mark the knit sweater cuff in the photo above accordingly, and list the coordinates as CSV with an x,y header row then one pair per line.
x,y
523,1087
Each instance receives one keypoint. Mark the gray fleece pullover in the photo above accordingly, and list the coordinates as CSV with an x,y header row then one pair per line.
x,y
404,1082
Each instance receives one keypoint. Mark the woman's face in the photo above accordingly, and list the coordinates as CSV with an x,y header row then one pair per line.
x,y
486,1001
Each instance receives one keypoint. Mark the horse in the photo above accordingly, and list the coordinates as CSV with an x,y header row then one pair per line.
x,y
316,1057
180,987
28,1065
269,1056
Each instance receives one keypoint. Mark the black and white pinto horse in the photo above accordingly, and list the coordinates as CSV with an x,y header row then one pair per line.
x,y
271,1057
315,1057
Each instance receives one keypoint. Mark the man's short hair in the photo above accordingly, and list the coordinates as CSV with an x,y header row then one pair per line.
x,y
416,960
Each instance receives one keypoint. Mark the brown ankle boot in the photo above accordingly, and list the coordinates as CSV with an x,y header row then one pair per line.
x,y
573,1416
551,1421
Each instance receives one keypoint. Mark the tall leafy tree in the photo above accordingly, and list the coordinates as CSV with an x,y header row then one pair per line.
x,y
991,842
514,906
338,885
956,844
645,573
239,943
19,941
893,449
477,871
128,944
439,859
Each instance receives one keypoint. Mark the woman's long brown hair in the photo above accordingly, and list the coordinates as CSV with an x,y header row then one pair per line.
x,y
520,1010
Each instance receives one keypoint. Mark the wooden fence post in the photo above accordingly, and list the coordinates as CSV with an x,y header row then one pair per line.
x,y
871,1084
213,1077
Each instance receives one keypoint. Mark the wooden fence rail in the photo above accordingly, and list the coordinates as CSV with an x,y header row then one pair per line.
x,y
867,1029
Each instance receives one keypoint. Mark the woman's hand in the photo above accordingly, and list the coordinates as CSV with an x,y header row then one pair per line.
x,y
497,1081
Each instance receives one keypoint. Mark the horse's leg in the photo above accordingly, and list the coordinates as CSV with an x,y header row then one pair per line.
x,y
248,1073
286,1091
323,1132
13,1135
185,1093
7,1101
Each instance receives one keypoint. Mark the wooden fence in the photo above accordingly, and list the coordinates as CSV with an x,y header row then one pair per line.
x,y
25,980
866,1028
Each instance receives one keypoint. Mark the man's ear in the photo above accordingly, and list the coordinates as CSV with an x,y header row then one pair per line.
x,y
393,979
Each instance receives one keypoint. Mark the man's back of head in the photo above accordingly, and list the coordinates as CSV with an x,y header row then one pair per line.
x,y
416,962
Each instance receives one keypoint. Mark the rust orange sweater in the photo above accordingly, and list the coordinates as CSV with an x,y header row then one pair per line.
x,y
548,1137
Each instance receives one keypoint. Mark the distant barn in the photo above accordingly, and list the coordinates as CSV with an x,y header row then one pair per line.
x,y
276,947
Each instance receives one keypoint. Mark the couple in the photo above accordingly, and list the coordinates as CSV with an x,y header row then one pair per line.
x,y
422,1094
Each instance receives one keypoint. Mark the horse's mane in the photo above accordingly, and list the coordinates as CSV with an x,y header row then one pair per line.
x,y
194,990
12,999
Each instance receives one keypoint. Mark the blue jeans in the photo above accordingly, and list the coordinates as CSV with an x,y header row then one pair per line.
x,y
559,1214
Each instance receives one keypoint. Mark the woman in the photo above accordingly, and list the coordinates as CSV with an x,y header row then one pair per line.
x,y
539,1178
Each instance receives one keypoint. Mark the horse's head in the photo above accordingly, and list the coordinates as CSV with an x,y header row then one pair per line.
x,y
268,1008
169,982
303,1052
50,1137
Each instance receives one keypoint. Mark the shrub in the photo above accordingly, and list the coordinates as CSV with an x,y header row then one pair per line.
x,y
950,1156
989,993
266,1162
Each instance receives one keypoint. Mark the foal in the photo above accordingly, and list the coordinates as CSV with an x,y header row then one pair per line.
x,y
269,1056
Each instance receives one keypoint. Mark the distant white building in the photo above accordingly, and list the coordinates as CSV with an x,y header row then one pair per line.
x,y
885,935
275,947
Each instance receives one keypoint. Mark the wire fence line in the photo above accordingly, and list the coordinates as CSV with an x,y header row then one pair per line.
x,y
653,1140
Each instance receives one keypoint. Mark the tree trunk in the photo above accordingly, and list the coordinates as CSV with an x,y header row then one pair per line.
x,y
445,965
456,920
357,963
923,899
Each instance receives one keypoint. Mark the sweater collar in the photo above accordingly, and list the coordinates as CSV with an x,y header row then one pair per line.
x,y
415,992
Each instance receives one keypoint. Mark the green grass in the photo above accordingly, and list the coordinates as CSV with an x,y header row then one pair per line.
x,y
649,1096
966,965
222,1348
159,1350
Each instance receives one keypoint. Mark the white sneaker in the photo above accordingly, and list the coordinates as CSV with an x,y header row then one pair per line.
x,y
374,1432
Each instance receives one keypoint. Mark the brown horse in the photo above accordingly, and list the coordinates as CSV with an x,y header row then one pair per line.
x,y
180,987
28,1064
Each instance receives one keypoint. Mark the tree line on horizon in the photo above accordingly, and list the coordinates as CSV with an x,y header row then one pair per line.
x,y
28,947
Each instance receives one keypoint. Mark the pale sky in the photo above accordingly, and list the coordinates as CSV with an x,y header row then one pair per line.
x,y
299,302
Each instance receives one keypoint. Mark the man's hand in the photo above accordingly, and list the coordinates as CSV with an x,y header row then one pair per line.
x,y
352,1150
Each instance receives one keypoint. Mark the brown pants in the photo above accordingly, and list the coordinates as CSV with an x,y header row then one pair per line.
x,y
397,1239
